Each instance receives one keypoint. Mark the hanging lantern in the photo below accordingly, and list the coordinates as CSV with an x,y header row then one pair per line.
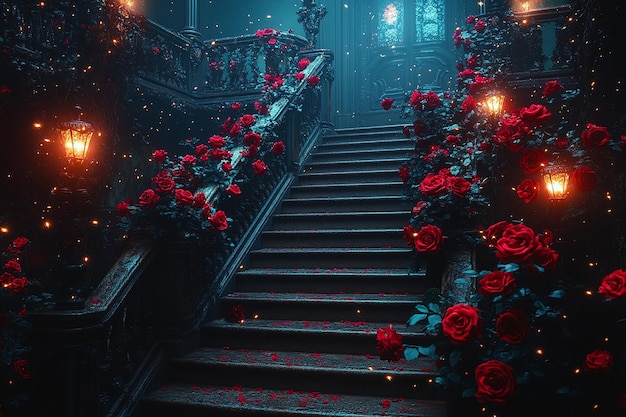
x,y
76,137
556,179
495,104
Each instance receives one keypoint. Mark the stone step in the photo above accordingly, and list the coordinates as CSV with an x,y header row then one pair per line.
x,y
347,177
390,307
243,401
333,238
345,204
341,221
354,144
333,280
347,190
354,166
311,258
400,154
307,371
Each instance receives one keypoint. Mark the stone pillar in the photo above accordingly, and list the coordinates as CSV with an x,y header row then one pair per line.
x,y
191,30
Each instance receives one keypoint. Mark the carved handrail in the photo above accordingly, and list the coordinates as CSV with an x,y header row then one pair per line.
x,y
109,350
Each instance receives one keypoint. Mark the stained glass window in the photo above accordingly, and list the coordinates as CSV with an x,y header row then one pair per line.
x,y
429,20
391,23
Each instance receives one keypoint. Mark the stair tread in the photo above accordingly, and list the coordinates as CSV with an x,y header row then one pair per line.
x,y
344,327
321,297
273,402
350,213
334,272
332,250
355,363
347,198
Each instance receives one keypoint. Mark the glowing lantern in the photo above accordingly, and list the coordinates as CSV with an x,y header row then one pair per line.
x,y
556,179
76,137
495,104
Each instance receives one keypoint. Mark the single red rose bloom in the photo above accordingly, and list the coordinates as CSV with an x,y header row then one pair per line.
x,y
534,115
219,221
22,368
183,197
598,361
496,382
533,160
517,244
404,173
461,323
278,148
164,185
585,178
389,344
199,200
551,88
20,242
148,199
247,120
233,189
613,285
217,141
595,136
459,186
201,149
497,283
18,284
527,190
12,266
313,80
432,100
303,63
494,232
434,185
512,326
252,139
545,258
409,235
428,239
259,167
386,103
227,167
468,104
159,155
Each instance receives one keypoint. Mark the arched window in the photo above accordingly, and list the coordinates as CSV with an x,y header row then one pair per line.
x,y
391,23
429,20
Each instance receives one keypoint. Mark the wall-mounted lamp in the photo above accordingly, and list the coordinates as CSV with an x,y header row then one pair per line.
x,y
556,179
76,137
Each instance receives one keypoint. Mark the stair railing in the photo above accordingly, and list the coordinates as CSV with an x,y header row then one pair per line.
x,y
98,360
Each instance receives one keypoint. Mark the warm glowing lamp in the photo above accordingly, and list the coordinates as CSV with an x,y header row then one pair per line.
x,y
76,137
525,6
495,104
556,179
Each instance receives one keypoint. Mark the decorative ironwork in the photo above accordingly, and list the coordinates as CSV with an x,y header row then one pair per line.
x,y
311,15
429,20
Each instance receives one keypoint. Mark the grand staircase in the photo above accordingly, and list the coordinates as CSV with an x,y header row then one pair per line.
x,y
330,271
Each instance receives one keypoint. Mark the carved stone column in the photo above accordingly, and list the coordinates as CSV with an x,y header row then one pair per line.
x,y
311,15
191,30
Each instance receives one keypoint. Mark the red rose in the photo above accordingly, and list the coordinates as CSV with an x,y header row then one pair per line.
x,y
416,99
183,197
512,326
480,26
434,185
313,80
251,151
18,284
20,242
12,266
201,149
247,120
386,103
252,139
234,130
237,313
428,239
459,186
598,361
613,285
227,167
159,155
461,323
6,278
532,160
199,200
389,344
188,160
495,231
217,141
406,130
300,76
236,106
545,258
471,19
468,104
517,244
233,189
496,382
419,207
164,184
585,178
471,62
408,235
259,167
432,100
551,88
148,199
595,136
496,283
22,368
303,63
278,148
534,115
527,190
404,173
219,221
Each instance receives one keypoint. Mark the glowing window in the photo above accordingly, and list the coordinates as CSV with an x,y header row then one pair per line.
x,y
429,20
391,23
